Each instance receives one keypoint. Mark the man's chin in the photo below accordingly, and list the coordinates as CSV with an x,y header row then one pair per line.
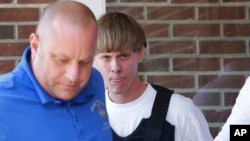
x,y
66,95
116,90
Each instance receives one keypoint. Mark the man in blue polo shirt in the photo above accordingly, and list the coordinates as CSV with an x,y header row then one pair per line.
x,y
54,93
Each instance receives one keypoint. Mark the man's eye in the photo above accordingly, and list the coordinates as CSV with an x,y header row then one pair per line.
x,y
123,56
62,61
105,57
82,63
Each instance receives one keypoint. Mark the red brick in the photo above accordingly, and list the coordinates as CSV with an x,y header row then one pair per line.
x,y
6,66
143,1
196,64
196,30
221,81
193,1
172,47
154,64
7,32
214,131
230,98
24,31
135,11
222,47
156,30
189,95
237,64
207,98
34,1
12,49
221,13
5,1
237,30
19,14
235,1
216,115
170,13
172,81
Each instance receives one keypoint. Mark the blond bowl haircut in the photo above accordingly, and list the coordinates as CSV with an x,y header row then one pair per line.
x,y
119,32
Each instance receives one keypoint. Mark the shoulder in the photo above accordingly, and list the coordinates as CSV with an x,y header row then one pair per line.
x,y
95,82
95,72
187,118
5,78
183,112
10,80
95,79
179,105
181,101
182,106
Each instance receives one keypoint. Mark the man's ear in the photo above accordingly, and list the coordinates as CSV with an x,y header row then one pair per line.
x,y
142,53
34,44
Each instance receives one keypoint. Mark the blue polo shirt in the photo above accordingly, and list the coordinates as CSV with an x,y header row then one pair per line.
x,y
28,113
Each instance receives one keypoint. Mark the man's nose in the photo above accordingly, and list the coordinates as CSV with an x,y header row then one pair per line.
x,y
73,72
115,65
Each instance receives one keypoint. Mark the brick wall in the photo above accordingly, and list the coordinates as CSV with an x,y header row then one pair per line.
x,y
18,19
199,48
